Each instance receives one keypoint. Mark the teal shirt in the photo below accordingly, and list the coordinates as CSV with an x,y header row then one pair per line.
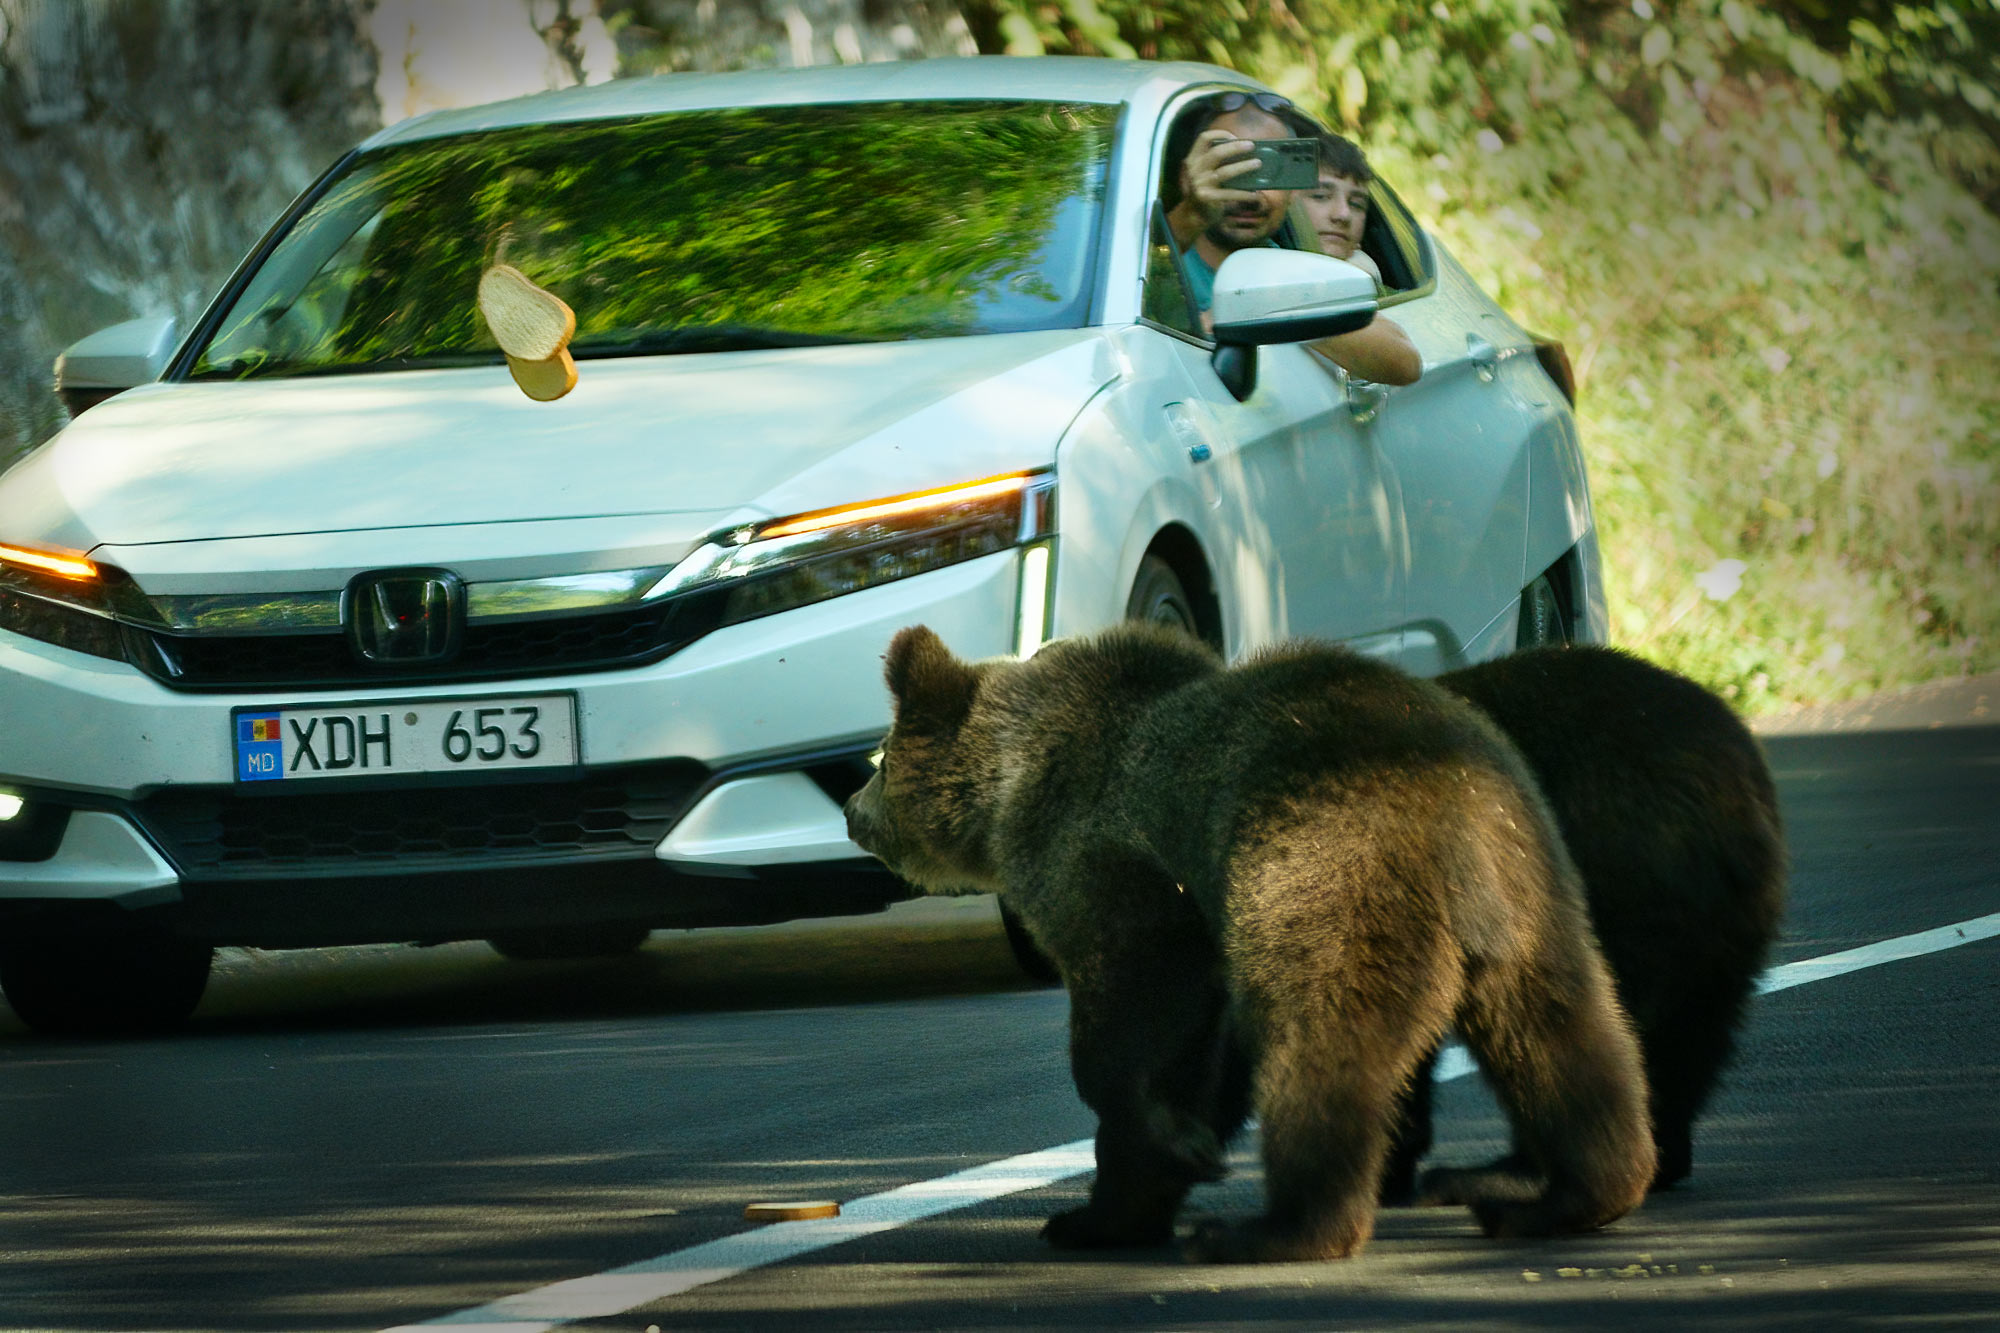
x,y
1201,278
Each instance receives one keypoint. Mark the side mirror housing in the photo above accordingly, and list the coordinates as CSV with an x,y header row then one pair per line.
x,y
112,360
1265,296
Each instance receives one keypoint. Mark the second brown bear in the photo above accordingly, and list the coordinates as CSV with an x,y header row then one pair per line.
x,y
1377,866
1668,809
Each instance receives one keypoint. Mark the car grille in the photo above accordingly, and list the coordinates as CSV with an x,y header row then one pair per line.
x,y
594,642
224,833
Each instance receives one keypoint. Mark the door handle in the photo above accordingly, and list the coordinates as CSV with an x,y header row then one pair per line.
x,y
1483,355
1365,399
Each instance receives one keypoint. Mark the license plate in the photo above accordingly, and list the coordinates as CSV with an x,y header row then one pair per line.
x,y
422,736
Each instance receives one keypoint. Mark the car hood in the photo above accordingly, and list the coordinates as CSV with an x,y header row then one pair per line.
x,y
712,438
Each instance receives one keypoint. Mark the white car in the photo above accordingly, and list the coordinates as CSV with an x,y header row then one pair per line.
x,y
326,633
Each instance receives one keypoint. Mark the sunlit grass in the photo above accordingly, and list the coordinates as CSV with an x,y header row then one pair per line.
x,y
1790,399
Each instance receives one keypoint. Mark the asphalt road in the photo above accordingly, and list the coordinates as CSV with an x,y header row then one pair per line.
x,y
363,1139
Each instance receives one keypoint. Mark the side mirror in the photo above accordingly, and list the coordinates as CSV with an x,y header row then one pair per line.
x,y
1267,296
112,360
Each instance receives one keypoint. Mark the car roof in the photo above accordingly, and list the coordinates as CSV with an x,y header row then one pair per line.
x,y
968,78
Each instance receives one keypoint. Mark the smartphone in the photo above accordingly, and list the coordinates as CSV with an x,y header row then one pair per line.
x,y
1282,164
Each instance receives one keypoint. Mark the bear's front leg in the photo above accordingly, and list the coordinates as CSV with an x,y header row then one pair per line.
x,y
1152,1056
1144,1172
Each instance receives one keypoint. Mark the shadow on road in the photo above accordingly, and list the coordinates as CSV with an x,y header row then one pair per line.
x,y
920,949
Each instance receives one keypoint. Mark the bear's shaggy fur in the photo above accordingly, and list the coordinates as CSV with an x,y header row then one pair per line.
x,y
1375,863
1668,809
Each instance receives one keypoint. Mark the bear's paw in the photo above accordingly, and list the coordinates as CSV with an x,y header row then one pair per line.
x,y
1263,1242
1093,1228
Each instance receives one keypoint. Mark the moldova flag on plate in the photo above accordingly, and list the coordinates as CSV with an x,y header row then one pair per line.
x,y
260,747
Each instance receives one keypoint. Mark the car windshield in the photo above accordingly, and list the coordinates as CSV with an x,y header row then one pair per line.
x,y
698,231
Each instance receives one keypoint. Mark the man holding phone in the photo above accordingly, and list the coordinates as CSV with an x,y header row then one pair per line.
x,y
1212,219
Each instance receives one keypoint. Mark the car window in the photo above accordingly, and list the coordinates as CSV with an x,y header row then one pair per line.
x,y
697,231
1393,238
1167,300
1390,236
1174,276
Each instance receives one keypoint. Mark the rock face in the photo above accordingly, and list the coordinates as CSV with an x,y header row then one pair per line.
x,y
146,144
143,147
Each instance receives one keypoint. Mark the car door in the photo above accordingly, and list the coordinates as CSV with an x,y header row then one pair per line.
x,y
1458,443
1302,510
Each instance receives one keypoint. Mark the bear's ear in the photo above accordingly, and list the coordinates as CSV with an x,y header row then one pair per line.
x,y
925,679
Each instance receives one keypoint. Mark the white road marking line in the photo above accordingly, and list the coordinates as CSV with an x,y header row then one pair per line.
x,y
1873,955
1454,1061
620,1289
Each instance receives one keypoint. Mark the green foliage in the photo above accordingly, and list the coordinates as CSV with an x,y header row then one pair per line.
x,y
1934,67
1759,232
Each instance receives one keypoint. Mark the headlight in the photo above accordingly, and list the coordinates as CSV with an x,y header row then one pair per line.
x,y
71,565
59,597
765,568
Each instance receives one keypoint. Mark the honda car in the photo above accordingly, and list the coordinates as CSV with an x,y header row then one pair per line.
x,y
315,629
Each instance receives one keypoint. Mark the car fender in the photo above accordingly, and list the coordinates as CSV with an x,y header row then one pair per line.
x,y
1558,488
1561,522
1123,477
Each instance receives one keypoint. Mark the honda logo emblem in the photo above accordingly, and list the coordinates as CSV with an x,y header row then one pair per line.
x,y
405,617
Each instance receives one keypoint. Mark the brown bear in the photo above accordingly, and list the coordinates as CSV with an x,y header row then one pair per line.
x,y
1668,809
1304,868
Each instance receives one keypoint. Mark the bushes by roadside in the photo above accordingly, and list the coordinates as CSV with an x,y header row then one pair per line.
x,y
1763,236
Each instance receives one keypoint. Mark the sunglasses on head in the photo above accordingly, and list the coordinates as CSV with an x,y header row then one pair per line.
x,y
1270,102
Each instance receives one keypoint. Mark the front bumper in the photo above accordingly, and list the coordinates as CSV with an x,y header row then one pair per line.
x,y
729,761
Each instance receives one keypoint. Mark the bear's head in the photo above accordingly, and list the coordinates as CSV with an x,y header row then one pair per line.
x,y
981,746
925,811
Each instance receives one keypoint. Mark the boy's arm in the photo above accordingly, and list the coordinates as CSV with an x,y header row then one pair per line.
x,y
1378,351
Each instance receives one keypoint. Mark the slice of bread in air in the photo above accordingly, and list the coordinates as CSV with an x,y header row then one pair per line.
x,y
545,380
528,322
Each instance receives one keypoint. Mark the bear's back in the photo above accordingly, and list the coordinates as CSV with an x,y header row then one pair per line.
x,y
1303,708
1311,743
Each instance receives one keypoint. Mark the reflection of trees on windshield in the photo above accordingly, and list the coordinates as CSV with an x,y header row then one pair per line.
x,y
847,222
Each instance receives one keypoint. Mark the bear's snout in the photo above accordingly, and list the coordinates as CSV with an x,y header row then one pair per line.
x,y
861,817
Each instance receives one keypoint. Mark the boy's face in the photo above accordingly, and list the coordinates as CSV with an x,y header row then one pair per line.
x,y
1338,210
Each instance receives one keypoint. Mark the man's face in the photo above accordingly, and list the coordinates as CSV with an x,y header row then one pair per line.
x,y
1254,222
1338,210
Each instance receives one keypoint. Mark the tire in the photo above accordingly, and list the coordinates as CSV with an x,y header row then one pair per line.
x,y
559,942
110,985
1028,955
1544,620
1158,597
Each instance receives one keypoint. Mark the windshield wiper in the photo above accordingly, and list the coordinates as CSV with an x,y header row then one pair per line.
x,y
710,338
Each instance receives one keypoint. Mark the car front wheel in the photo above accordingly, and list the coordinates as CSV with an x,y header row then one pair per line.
x,y
1544,621
106,985
1158,597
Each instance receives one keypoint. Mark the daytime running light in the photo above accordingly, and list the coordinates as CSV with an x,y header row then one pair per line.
x,y
49,562
1031,630
902,504
10,806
